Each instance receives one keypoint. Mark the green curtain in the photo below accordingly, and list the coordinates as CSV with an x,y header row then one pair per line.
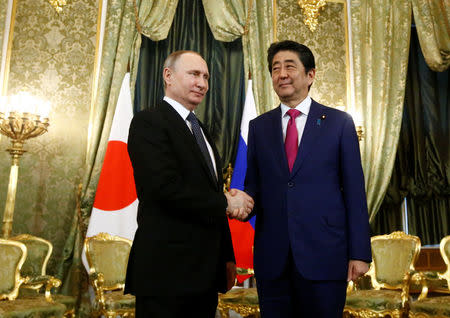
x,y
427,106
221,111
432,18
380,40
421,172
252,21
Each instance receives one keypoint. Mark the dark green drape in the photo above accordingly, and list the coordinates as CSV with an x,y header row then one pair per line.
x,y
221,111
422,169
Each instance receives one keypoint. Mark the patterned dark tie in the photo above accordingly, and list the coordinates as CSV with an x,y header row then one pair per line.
x,y
197,131
291,141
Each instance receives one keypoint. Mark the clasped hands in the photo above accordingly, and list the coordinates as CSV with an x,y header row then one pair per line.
x,y
240,204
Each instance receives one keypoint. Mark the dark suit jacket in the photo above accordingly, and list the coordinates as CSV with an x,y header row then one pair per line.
x,y
319,210
183,240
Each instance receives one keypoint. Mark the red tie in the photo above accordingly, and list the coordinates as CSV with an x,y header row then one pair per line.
x,y
291,141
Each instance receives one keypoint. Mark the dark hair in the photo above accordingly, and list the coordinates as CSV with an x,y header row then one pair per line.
x,y
304,53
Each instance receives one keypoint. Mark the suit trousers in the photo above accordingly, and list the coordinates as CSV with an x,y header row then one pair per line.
x,y
199,306
292,296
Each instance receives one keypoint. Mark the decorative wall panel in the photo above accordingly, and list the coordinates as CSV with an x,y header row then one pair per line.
x,y
52,58
328,44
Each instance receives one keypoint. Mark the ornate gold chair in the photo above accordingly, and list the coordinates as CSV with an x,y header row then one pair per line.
x,y
434,281
12,257
39,251
390,273
107,257
244,301
435,307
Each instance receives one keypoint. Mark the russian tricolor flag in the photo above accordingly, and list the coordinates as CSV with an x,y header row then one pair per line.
x,y
242,233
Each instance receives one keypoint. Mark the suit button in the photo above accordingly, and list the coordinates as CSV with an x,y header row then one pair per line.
x,y
290,184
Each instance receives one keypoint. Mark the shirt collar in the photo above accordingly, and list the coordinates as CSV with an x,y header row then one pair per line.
x,y
303,107
181,110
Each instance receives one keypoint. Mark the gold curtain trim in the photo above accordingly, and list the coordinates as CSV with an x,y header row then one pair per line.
x,y
136,16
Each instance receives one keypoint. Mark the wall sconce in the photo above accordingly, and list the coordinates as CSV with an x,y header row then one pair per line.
x,y
21,117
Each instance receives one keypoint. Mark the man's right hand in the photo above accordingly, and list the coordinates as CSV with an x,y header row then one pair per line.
x,y
240,204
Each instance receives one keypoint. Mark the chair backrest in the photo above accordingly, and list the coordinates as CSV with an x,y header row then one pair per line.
x,y
39,251
108,254
12,257
393,256
445,253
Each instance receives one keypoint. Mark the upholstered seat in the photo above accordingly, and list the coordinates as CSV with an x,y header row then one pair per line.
x,y
39,251
107,256
31,307
390,272
244,301
435,307
12,257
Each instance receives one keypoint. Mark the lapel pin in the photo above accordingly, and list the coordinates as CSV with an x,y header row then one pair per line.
x,y
319,121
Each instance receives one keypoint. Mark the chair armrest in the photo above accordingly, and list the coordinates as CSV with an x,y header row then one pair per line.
x,y
421,278
37,282
97,281
405,288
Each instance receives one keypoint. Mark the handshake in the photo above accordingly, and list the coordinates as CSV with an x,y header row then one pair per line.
x,y
240,204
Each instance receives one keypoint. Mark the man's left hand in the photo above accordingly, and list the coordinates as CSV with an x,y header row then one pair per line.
x,y
231,275
356,269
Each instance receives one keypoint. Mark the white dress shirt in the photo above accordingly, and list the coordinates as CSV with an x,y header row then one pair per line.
x,y
300,121
184,112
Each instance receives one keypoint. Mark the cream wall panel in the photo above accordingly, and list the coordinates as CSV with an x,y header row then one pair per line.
x,y
328,43
52,58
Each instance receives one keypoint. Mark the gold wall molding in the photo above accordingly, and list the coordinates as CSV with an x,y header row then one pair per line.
x,y
6,61
58,4
311,11
101,15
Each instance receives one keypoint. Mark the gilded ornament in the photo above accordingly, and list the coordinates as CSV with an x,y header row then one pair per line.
x,y
311,11
58,4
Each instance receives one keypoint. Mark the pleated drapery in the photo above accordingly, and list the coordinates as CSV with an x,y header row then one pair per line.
x,y
380,38
252,21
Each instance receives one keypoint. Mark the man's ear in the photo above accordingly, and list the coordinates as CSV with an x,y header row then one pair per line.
x,y
311,75
167,75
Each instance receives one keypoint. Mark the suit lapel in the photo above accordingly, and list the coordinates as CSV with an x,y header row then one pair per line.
x,y
310,133
176,122
277,139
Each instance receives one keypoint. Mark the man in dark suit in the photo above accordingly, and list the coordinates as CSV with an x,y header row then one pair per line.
x,y
182,253
305,175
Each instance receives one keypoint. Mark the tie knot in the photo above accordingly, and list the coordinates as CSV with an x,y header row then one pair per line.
x,y
293,113
191,117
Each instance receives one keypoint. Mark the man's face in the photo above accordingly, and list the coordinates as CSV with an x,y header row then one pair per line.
x,y
187,80
289,79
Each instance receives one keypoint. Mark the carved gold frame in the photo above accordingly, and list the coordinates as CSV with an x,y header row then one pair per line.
x,y
104,237
48,281
29,237
404,286
446,257
97,278
19,280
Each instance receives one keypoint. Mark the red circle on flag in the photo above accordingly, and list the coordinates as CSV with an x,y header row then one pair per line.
x,y
116,189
